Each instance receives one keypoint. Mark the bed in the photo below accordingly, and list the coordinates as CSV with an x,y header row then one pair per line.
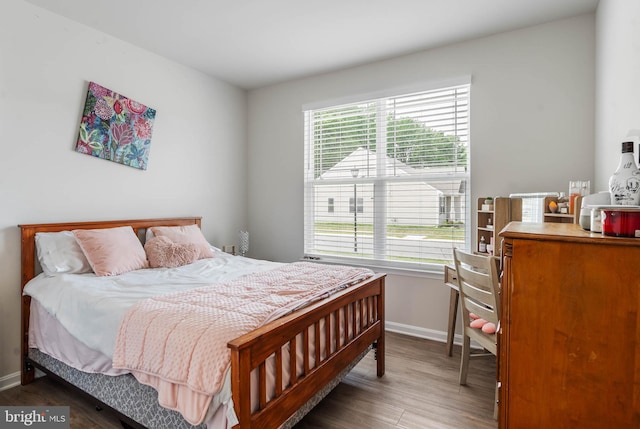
x,y
278,371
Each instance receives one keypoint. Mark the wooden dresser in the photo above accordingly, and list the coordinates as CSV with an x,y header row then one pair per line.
x,y
570,330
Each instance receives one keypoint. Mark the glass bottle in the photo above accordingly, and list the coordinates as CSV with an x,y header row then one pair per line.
x,y
625,182
574,192
482,247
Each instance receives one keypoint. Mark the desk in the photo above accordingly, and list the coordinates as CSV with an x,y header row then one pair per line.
x,y
451,280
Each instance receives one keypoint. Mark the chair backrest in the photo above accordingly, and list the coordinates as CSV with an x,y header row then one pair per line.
x,y
479,288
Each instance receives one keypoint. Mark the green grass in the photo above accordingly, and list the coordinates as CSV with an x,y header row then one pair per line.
x,y
447,232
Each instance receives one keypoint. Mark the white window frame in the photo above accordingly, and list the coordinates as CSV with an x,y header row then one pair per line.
x,y
379,261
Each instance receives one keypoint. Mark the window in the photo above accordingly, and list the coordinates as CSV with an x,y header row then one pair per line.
x,y
533,205
352,205
330,205
397,170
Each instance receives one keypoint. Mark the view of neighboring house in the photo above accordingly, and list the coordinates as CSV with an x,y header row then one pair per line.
x,y
417,200
440,200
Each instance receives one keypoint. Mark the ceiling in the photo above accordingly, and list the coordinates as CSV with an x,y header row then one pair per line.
x,y
254,43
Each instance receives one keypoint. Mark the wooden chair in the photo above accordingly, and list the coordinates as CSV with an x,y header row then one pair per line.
x,y
479,295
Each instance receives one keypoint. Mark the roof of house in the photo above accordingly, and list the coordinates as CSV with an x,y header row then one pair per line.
x,y
363,163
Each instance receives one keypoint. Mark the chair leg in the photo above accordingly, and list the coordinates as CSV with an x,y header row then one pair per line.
x,y
454,297
464,361
495,404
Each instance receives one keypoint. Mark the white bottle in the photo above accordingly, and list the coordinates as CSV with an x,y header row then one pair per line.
x,y
482,247
624,185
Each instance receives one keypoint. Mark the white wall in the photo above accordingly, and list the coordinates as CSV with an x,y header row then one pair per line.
x,y
532,111
617,82
197,161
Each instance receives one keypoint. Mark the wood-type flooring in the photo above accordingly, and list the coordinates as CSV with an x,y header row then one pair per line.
x,y
420,390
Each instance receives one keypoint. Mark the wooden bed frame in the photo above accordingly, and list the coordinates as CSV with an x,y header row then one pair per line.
x,y
359,307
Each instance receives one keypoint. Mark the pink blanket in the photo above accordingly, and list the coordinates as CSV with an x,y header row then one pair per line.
x,y
177,343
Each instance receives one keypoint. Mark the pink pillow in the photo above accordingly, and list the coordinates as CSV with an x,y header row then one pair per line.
x,y
112,251
489,328
477,323
184,235
164,253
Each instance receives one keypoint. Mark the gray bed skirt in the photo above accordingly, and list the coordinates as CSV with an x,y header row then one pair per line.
x,y
139,402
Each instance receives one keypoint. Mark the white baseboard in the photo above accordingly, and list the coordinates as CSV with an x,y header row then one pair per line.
x,y
428,334
416,331
9,381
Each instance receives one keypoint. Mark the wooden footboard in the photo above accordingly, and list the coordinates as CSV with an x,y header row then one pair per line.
x,y
351,321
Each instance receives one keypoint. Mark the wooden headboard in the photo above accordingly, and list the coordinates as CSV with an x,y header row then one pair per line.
x,y
29,262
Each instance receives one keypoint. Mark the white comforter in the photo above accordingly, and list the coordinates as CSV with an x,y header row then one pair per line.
x,y
91,307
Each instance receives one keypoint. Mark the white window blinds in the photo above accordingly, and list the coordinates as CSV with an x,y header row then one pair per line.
x,y
385,180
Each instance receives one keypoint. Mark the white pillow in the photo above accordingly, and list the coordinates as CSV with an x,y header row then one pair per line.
x,y
59,253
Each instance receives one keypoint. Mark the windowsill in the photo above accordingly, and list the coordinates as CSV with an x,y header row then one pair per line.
x,y
429,273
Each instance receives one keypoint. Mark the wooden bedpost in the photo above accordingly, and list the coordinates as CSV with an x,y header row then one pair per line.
x,y
27,371
380,342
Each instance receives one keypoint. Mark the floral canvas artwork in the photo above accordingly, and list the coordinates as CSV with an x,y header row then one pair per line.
x,y
115,128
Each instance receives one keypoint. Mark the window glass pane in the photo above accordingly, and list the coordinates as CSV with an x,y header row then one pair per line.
x,y
425,220
344,232
386,179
